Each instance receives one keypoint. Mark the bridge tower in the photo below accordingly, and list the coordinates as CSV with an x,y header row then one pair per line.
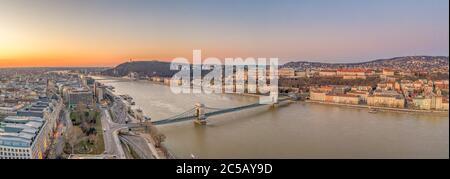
x,y
200,114
274,100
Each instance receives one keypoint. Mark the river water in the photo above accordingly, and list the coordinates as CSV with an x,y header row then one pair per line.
x,y
296,130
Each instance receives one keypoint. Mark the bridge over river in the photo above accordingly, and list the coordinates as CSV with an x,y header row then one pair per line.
x,y
201,112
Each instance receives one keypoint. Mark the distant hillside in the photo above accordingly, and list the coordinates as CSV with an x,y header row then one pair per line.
x,y
143,68
410,62
157,68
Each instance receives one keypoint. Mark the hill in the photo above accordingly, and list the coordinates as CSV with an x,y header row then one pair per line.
x,y
158,68
409,62
143,68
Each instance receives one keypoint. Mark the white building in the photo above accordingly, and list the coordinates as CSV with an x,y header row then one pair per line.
x,y
24,137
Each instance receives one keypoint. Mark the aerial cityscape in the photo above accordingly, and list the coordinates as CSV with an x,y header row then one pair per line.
x,y
98,79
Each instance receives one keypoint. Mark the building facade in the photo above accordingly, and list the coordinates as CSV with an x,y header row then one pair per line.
x,y
77,96
392,101
24,137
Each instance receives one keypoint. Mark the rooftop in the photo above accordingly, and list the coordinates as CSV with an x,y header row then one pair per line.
x,y
20,131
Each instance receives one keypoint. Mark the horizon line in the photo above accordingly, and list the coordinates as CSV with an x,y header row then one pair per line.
x,y
157,60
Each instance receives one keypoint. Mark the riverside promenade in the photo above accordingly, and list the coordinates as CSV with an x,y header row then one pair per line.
x,y
380,108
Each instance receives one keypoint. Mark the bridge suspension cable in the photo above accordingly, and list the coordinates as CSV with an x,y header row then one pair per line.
x,y
191,113
181,114
187,115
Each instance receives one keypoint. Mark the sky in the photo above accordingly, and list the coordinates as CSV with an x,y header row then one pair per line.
x,y
109,32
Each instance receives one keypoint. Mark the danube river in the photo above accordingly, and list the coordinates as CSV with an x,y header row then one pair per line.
x,y
296,130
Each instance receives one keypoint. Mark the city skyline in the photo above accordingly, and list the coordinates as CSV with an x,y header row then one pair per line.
x,y
106,33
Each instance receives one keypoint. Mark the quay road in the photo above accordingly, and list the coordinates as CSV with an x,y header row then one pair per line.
x,y
110,135
113,140
139,145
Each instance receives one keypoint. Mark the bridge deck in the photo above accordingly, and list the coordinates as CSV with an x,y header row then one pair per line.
x,y
191,116
169,121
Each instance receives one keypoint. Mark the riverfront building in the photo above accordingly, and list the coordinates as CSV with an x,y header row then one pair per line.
x,y
429,102
317,95
342,98
385,100
335,94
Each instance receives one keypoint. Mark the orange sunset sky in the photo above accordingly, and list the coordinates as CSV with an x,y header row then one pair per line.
x,y
42,33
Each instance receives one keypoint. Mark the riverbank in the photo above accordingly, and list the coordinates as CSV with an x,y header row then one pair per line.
x,y
380,108
343,133
386,109
157,148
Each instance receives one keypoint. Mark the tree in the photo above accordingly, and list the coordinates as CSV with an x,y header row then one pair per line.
x,y
73,136
159,138
156,135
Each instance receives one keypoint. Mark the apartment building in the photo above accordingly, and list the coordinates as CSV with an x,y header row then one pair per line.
x,y
24,137
386,100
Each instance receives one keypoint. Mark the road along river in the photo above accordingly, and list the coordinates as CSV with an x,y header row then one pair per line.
x,y
297,130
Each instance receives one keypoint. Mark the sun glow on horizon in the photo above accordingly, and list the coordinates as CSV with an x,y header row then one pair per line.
x,y
107,33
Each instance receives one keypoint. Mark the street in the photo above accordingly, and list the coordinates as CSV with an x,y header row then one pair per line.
x,y
110,133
